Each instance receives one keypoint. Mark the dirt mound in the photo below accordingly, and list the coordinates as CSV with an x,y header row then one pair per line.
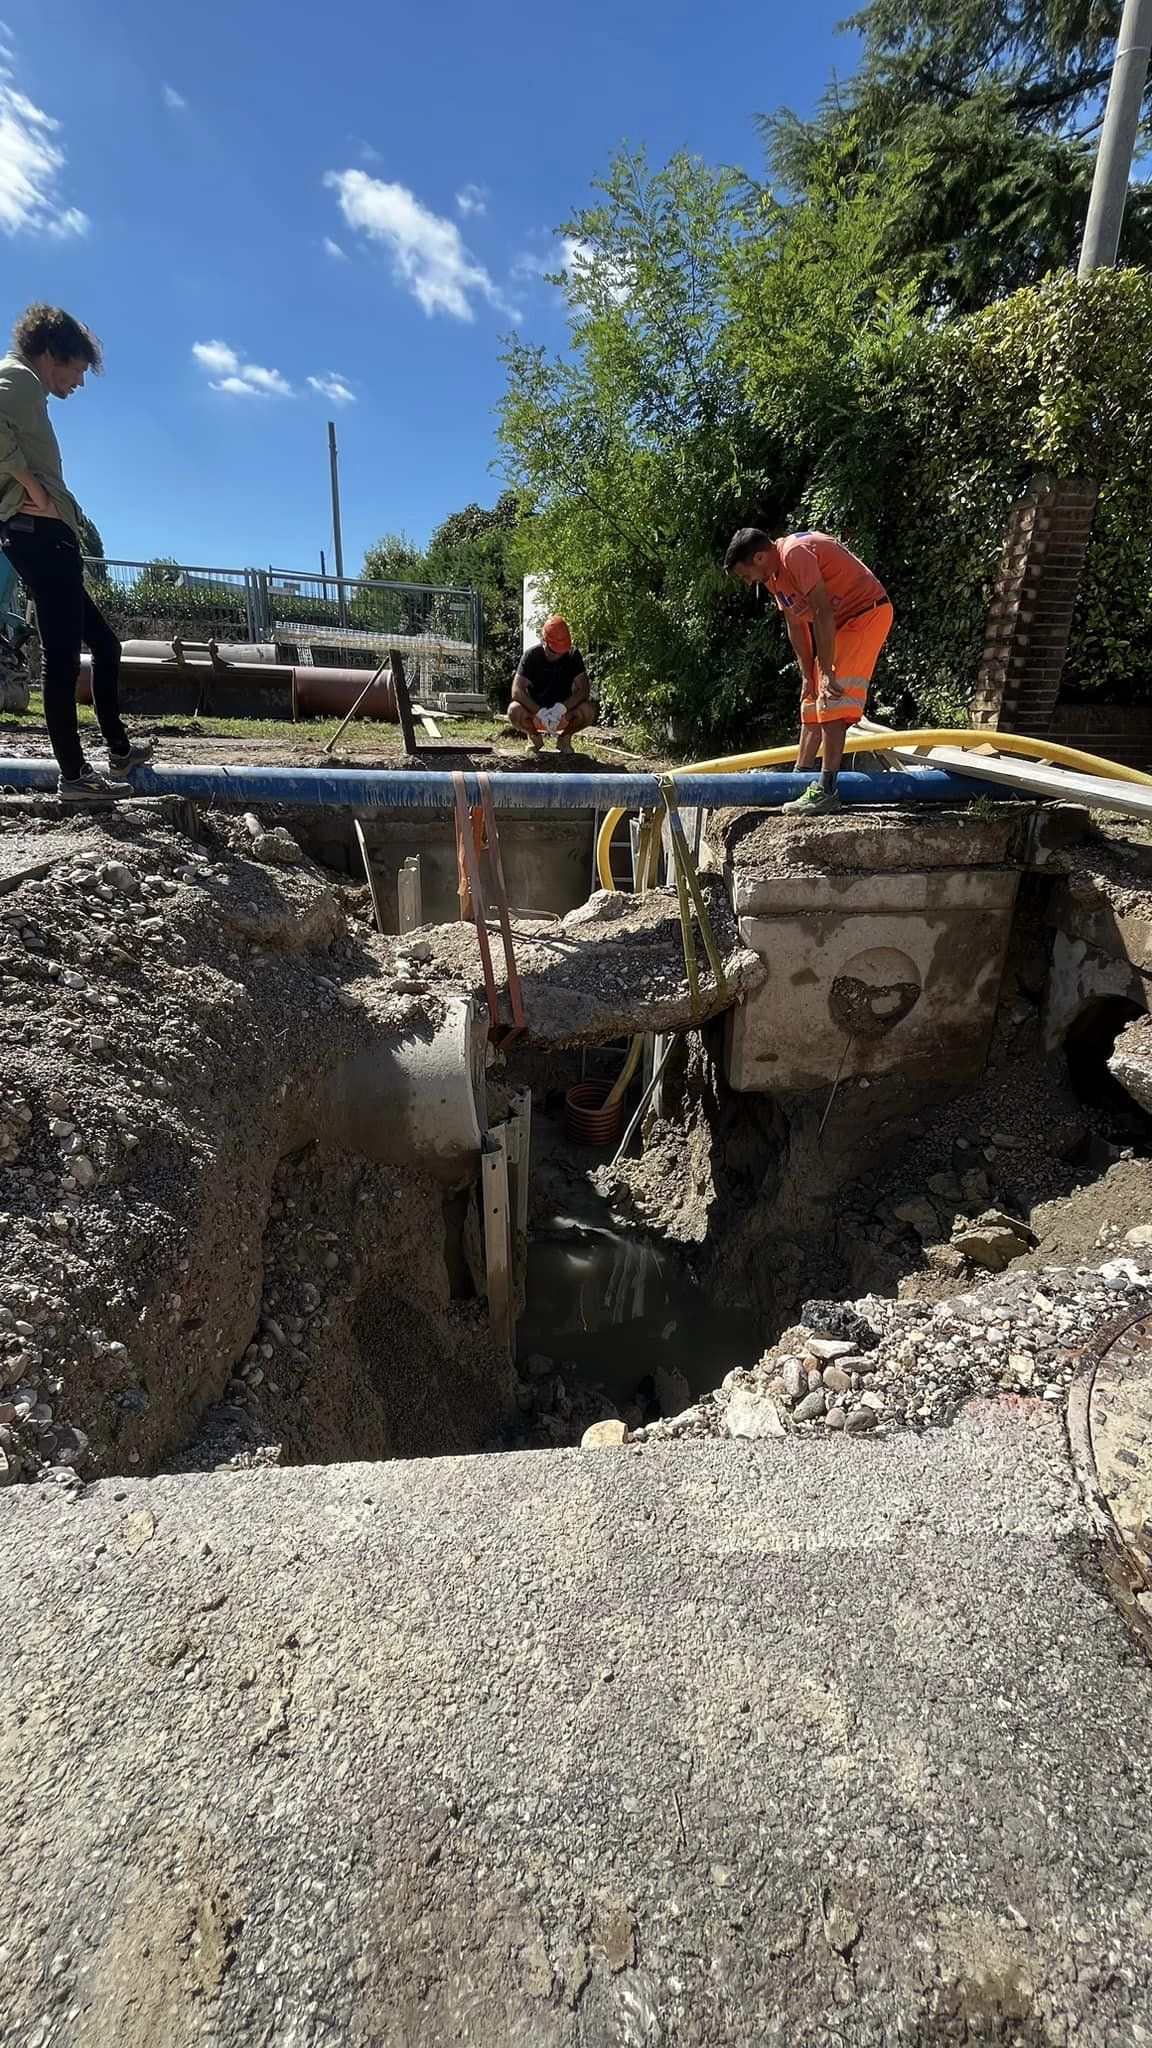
x,y
170,1013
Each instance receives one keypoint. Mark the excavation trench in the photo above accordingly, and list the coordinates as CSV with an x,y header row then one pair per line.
x,y
289,1264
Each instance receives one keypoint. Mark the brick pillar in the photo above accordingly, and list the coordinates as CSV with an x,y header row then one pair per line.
x,y
1030,617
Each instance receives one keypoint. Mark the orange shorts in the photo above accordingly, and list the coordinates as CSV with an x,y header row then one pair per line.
x,y
858,644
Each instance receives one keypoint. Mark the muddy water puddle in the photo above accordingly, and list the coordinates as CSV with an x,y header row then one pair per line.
x,y
613,1306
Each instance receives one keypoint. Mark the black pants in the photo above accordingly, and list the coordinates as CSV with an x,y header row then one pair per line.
x,y
46,556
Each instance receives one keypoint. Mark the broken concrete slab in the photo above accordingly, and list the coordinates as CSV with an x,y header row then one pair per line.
x,y
754,848
1131,1061
612,967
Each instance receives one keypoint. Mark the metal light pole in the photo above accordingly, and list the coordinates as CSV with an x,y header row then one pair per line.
x,y
337,541
1117,138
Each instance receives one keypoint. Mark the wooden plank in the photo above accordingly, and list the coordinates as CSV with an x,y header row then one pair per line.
x,y
1037,779
497,1235
361,842
404,703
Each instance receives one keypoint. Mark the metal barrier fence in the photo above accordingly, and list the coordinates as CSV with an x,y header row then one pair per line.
x,y
313,620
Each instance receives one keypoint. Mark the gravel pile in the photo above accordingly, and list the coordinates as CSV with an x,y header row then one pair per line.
x,y
1113,869
1017,1335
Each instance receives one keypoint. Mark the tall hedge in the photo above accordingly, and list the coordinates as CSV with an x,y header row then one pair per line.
x,y
951,428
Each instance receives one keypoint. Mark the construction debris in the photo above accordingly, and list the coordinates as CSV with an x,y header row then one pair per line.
x,y
611,968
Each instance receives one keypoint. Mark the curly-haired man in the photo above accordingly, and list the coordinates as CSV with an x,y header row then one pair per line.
x,y
40,534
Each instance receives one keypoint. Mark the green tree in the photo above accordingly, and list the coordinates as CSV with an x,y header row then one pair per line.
x,y
477,549
998,105
394,558
639,453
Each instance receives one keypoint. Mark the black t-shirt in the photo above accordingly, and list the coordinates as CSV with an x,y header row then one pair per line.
x,y
550,682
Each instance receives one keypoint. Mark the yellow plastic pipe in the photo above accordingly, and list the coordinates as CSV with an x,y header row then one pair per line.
x,y
883,742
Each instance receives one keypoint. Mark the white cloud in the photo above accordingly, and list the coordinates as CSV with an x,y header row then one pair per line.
x,y
569,253
31,161
175,100
242,380
335,387
333,250
472,199
428,254
216,355
269,382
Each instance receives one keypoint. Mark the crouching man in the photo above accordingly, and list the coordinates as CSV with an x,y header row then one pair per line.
x,y
550,691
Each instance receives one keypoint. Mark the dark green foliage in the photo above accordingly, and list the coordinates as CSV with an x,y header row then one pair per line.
x,y
997,103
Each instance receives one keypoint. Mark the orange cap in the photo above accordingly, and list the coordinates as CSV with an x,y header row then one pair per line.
x,y
556,636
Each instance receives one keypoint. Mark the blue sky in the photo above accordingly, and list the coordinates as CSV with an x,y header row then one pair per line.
x,y
276,215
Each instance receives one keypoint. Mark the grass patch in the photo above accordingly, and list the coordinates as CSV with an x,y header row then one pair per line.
x,y
363,739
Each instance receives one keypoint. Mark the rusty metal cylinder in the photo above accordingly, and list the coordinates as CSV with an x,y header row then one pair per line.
x,y
330,692
586,1119
315,692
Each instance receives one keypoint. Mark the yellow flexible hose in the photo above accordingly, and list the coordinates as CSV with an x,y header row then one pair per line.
x,y
882,742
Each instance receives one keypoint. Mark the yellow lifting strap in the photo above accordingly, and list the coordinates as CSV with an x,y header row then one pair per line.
x,y
690,897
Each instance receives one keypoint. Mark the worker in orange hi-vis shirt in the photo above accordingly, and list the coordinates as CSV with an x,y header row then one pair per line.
x,y
838,617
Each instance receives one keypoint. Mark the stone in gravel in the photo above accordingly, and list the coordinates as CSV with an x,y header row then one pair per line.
x,y
815,1378
990,1245
859,1420
538,1366
837,1380
946,1185
835,1418
839,1319
1141,1236
811,1407
920,1216
974,1185
71,1444
1022,1368
752,1414
603,1436
873,1401
795,1378
82,1170
117,876
1006,1222
828,1348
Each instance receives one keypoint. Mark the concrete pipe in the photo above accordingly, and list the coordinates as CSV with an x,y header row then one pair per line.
x,y
416,1102
228,650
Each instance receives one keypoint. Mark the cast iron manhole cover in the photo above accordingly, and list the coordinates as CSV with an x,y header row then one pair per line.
x,y
1110,1422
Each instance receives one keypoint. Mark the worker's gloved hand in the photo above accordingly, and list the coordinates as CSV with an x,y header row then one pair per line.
x,y
552,719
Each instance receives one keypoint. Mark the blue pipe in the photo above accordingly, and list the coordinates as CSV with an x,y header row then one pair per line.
x,y
417,790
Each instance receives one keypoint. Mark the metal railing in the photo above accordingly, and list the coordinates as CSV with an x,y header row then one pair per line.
x,y
319,620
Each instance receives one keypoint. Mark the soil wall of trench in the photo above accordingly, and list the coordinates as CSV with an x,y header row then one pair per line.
x,y
173,1195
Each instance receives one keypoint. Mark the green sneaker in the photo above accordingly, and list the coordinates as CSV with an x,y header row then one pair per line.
x,y
814,802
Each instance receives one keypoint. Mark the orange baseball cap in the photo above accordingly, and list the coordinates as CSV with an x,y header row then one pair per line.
x,y
556,636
